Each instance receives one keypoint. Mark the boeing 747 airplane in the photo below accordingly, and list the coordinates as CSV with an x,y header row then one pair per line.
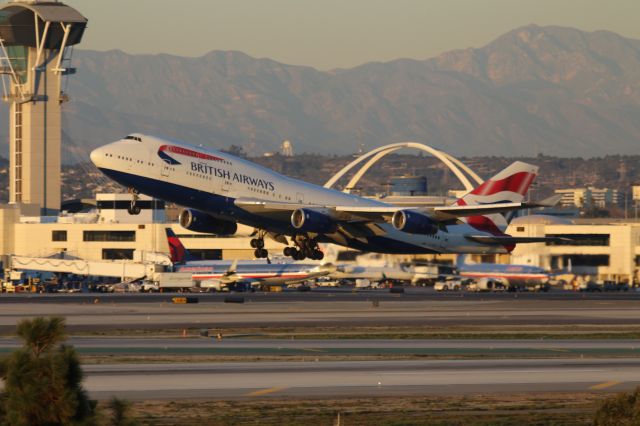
x,y
220,190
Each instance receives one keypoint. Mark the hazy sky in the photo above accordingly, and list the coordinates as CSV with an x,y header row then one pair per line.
x,y
334,33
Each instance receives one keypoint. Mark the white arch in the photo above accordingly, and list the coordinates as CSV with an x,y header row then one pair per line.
x,y
376,154
464,167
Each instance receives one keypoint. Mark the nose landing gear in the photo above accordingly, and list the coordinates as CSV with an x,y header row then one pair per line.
x,y
133,209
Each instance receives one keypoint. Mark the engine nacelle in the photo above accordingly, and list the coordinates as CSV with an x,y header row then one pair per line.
x,y
414,222
197,221
310,220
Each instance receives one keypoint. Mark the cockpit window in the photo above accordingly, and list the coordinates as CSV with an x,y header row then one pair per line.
x,y
135,138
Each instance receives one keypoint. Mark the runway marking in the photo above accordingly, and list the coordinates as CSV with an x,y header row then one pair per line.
x,y
555,350
312,350
604,385
265,391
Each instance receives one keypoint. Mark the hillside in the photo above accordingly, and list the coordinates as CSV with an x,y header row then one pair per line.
x,y
535,90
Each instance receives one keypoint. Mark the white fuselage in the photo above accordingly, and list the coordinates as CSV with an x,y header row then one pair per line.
x,y
210,181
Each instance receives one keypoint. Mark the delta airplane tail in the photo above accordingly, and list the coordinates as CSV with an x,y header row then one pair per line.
x,y
508,186
179,253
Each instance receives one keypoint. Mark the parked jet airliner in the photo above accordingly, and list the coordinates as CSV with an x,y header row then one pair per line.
x,y
509,276
221,190
219,274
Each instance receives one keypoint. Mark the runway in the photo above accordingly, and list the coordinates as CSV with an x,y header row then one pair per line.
x,y
347,347
108,313
321,294
357,378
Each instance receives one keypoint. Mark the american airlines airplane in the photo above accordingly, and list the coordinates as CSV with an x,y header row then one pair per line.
x,y
508,276
219,274
221,190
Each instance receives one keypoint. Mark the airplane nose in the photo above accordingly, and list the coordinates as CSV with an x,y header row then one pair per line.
x,y
96,156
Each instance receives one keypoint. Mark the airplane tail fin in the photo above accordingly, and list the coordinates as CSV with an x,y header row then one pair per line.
x,y
179,253
233,268
507,186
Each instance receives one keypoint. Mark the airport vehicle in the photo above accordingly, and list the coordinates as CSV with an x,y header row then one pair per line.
x,y
149,287
489,276
221,190
218,275
448,284
488,284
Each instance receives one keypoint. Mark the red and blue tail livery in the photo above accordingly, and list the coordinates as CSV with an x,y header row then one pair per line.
x,y
508,186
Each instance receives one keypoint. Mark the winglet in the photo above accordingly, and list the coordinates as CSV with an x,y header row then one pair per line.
x,y
550,201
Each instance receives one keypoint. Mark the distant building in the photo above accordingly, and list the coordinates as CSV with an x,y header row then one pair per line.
x,y
589,197
572,197
408,185
635,191
286,149
605,197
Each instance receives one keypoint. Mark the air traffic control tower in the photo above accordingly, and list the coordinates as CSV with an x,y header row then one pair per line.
x,y
36,38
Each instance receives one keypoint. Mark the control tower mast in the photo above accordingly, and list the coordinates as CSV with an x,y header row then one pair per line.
x,y
35,39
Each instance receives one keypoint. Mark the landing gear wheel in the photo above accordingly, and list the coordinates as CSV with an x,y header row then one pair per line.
x,y
133,210
306,247
258,242
260,253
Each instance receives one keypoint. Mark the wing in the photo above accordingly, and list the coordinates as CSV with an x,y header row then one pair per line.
x,y
508,240
381,214
378,214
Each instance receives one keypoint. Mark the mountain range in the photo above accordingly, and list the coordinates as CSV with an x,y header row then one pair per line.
x,y
535,90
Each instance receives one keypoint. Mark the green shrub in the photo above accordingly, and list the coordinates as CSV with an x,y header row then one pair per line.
x,y
622,409
43,379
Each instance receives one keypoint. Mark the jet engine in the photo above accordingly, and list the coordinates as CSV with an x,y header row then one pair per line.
x,y
310,220
197,221
414,222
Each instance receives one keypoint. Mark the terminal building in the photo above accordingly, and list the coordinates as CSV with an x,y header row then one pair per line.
x,y
108,232
604,249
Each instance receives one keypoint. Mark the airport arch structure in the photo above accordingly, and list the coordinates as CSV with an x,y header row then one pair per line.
x,y
456,166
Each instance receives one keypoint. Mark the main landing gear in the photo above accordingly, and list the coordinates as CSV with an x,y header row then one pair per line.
x,y
258,244
305,248
133,209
